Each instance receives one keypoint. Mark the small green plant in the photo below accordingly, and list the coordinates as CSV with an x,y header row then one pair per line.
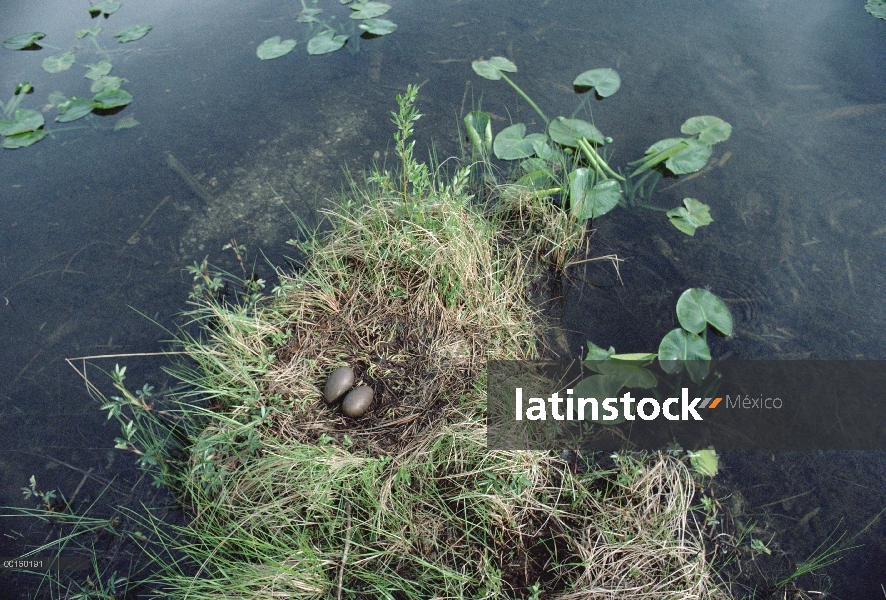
x,y
565,158
48,499
758,546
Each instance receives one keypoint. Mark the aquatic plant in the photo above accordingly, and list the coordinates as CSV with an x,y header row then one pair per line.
x,y
590,185
329,38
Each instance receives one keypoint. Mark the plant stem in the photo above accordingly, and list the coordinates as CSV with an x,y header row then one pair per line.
x,y
596,159
527,98
661,156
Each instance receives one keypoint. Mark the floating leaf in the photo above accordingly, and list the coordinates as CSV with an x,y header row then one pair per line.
x,y
127,122
132,33
596,353
274,48
23,139
477,122
105,7
368,10
378,26
56,98
57,64
535,180
604,81
492,68
108,82
690,159
510,143
876,8
705,462
309,15
24,120
710,130
326,42
567,131
681,348
345,1
112,99
630,375
73,109
692,215
640,358
23,40
93,31
697,308
599,387
590,203
98,71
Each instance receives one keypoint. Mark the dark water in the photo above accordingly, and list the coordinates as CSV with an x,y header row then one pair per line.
x,y
90,251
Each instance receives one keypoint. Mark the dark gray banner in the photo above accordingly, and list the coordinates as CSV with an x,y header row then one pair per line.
x,y
731,405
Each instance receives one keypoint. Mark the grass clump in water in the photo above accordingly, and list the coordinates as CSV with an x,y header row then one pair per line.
x,y
415,288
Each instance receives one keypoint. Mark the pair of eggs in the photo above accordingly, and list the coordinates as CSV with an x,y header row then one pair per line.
x,y
357,401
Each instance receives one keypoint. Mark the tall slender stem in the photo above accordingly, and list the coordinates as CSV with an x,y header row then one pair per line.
x,y
527,98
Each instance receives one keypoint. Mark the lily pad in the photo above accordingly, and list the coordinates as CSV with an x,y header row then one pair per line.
x,y
326,42
630,375
492,69
111,99
105,7
604,81
378,26
93,31
57,98
600,387
274,47
73,109
689,155
108,82
23,139
24,120
596,353
309,15
591,203
876,8
710,130
705,462
697,308
681,348
23,40
57,64
98,71
689,217
638,358
368,10
132,33
567,131
512,143
479,129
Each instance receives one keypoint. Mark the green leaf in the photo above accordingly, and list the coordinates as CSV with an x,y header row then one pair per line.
x,y
596,353
681,348
57,64
697,308
876,8
692,215
368,10
630,375
98,71
93,31
510,143
23,40
22,87
605,81
132,33
326,42
274,48
492,68
105,7
475,123
590,203
23,139
74,109
566,131
111,99
107,82
705,462
690,159
56,98
308,15
24,120
535,180
378,26
710,130
640,358
599,387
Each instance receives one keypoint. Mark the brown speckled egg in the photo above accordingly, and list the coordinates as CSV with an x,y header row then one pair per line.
x,y
358,401
338,384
